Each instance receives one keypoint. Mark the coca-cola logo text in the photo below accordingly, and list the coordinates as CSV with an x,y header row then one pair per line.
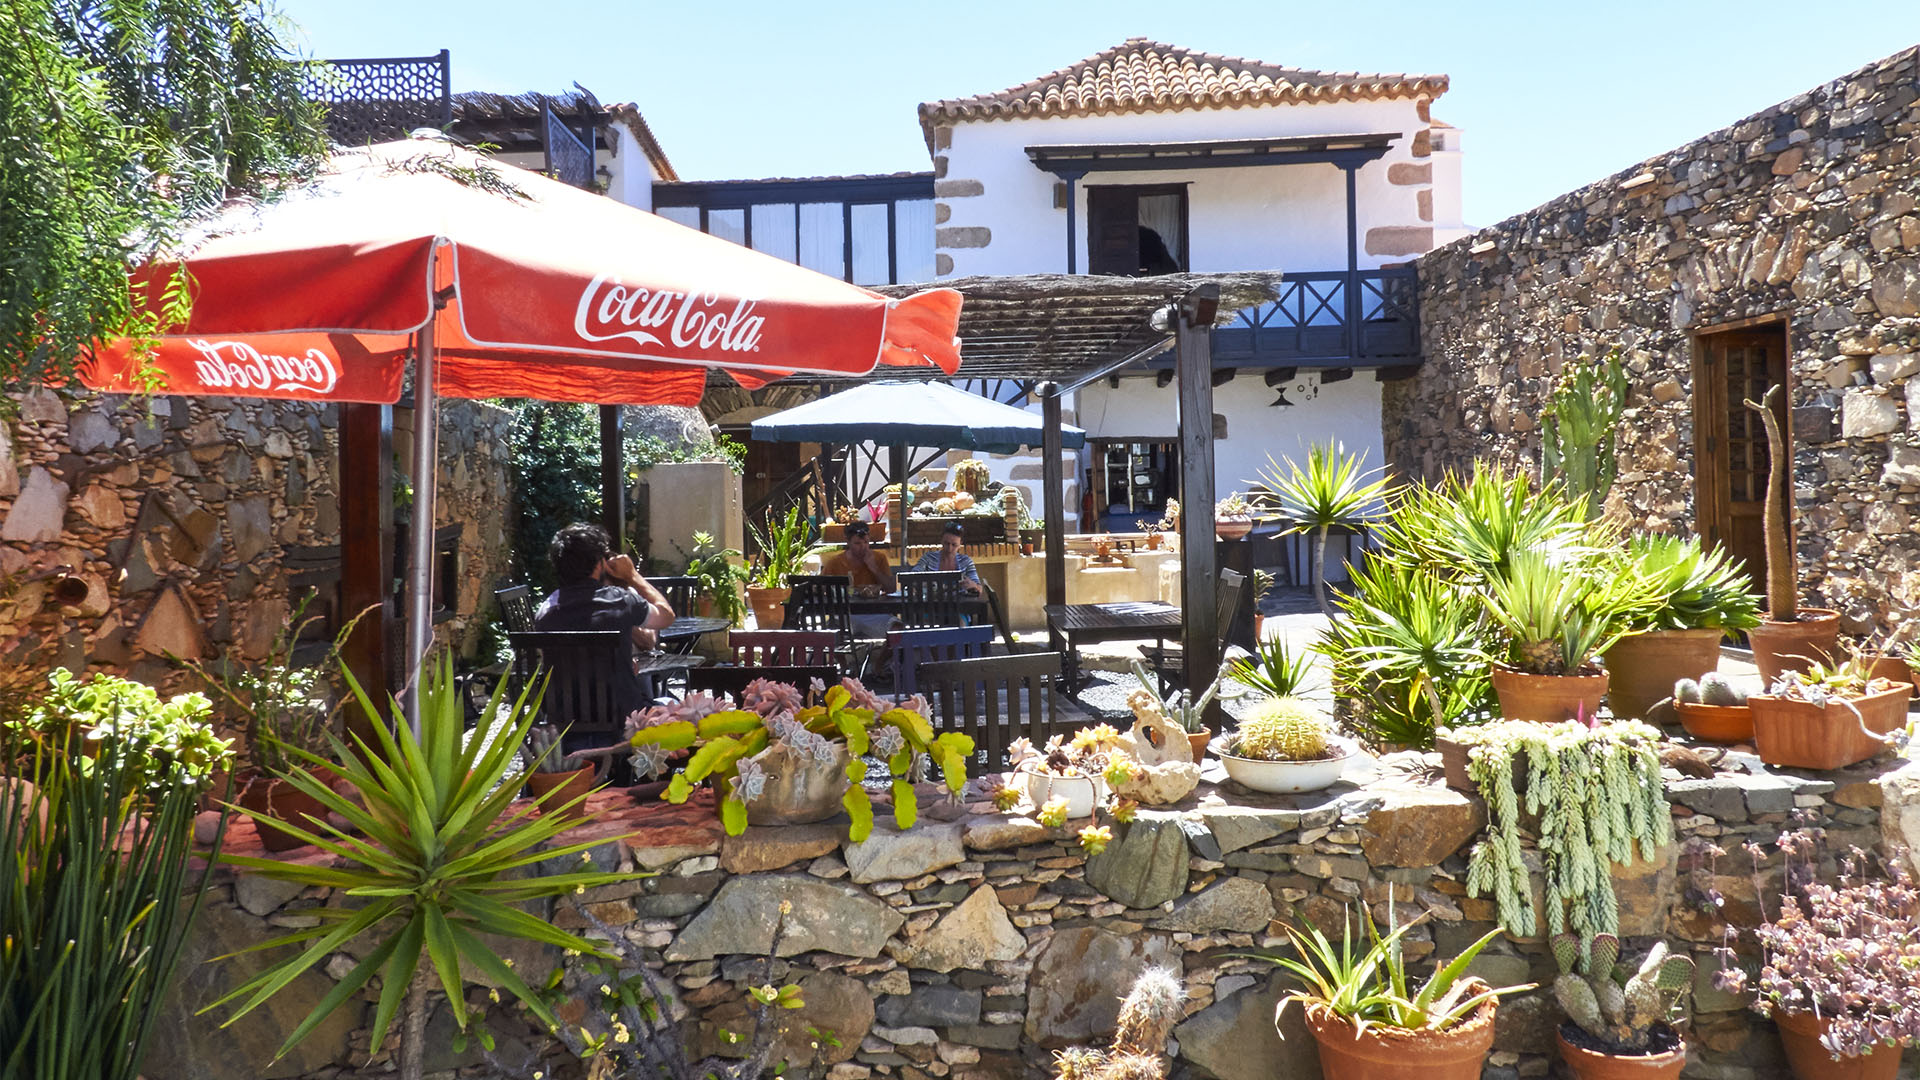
x,y
609,309
238,365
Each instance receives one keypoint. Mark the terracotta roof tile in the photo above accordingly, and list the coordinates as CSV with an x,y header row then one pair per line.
x,y
1141,75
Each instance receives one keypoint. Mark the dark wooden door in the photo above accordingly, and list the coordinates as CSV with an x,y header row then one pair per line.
x,y
1113,230
768,463
1730,440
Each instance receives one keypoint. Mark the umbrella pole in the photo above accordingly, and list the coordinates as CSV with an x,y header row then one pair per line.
x,y
899,470
425,477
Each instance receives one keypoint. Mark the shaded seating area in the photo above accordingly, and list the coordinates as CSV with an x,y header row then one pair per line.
x,y
997,699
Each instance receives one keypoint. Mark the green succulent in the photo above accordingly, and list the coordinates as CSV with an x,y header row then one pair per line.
x,y
1618,1005
1694,588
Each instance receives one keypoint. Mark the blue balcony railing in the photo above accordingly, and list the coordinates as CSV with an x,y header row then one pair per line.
x,y
1328,318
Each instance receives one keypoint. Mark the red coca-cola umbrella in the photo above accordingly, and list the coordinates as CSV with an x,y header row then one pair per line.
x,y
497,283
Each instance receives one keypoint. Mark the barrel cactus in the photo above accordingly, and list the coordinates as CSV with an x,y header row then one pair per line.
x,y
1615,1004
1282,729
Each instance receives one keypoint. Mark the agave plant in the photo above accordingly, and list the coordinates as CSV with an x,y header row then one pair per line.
x,y
1560,611
442,857
1330,492
1696,588
1274,669
1468,528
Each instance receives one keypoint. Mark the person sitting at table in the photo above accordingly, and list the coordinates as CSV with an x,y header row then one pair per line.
x,y
950,557
868,573
602,591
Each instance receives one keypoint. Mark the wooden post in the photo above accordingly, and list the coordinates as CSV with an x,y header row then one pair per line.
x,y
1193,377
1053,483
366,548
897,467
1352,289
613,478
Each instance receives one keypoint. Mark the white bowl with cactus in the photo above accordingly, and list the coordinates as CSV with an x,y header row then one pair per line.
x,y
1284,746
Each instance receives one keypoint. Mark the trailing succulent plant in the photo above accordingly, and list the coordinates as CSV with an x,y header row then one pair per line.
x,y
1281,729
1139,1048
1618,1005
1710,689
1600,798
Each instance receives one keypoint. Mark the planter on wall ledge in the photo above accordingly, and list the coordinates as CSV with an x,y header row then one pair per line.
x,y
1642,668
1547,699
1081,792
1383,1053
554,790
1800,1037
1802,735
1233,528
1716,723
1588,1064
269,796
1794,645
1288,777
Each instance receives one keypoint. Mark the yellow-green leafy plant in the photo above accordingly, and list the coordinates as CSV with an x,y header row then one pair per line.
x,y
1281,729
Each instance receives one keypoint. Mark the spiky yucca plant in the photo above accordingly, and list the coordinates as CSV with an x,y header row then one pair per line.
x,y
1559,610
1618,1005
1330,492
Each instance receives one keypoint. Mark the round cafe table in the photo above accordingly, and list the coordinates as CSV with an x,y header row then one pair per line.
x,y
687,629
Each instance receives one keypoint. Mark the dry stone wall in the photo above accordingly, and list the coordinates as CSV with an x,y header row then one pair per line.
x,y
1807,212
974,945
179,514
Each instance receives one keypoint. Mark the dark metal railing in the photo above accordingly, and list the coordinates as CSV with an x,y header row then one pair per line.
x,y
569,160
383,98
1314,319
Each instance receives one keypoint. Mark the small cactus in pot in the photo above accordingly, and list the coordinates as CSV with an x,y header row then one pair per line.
x,y
543,753
1618,1007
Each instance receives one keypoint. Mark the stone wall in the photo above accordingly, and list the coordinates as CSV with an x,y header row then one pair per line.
x,y
1804,212
180,512
974,945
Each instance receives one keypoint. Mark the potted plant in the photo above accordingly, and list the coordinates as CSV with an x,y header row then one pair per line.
x,y
1713,709
1182,708
1283,745
1331,492
1073,770
1827,717
1558,612
558,782
778,760
1619,1019
1232,517
783,551
1700,597
720,574
1274,669
1152,529
1837,973
1790,638
971,475
1369,1019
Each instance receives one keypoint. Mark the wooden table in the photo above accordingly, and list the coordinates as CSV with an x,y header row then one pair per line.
x,y
687,629
1070,625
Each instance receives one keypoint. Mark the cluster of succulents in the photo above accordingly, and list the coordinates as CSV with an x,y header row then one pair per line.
x,y
1710,689
1281,729
1618,1005
1139,1048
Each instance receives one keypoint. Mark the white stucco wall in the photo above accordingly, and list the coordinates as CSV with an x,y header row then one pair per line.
x,y
630,175
1286,217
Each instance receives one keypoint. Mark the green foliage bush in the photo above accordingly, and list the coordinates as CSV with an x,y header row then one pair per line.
x,y
556,468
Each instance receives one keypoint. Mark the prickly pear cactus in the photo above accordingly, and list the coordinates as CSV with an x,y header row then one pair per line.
x,y
1616,1005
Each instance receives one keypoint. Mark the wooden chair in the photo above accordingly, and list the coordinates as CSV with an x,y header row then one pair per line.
x,y
820,602
682,593
1169,662
784,648
912,648
732,680
516,608
591,687
995,699
929,598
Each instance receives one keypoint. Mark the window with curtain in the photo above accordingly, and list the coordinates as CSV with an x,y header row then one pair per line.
x,y
683,215
913,239
728,225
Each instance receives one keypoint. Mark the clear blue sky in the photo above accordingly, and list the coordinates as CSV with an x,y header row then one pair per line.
x,y
1551,95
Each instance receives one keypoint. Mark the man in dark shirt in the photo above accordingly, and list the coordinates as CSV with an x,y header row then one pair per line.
x,y
602,591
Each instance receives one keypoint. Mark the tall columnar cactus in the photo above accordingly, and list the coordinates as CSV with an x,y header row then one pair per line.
x,y
1613,1003
1577,429
1783,579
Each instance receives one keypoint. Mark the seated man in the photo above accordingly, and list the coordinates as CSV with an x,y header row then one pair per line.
x,y
868,572
602,591
950,557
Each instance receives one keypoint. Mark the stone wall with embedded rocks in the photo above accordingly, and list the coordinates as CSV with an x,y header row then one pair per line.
x,y
180,514
1805,212
975,944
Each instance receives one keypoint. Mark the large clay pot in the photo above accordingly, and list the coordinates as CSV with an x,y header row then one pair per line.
x,y
1642,668
1800,1037
1593,1065
552,791
271,797
801,789
1547,699
1716,723
1802,735
1794,646
1382,1053
769,606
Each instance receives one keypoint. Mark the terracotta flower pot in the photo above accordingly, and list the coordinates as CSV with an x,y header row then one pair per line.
x,y
1547,699
1399,1054
554,790
1794,646
269,796
1802,735
1642,668
1892,669
769,606
1716,723
1592,1065
1198,740
1800,1037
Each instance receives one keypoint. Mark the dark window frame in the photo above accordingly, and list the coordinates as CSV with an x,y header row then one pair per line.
x,y
888,191
1107,191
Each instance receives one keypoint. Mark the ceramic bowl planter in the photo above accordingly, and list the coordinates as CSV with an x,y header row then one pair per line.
x,y
1233,528
1383,1053
769,606
801,789
1716,723
1548,699
1081,792
1642,668
1800,1037
1289,777
1796,645
1802,735
1588,1064
554,790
